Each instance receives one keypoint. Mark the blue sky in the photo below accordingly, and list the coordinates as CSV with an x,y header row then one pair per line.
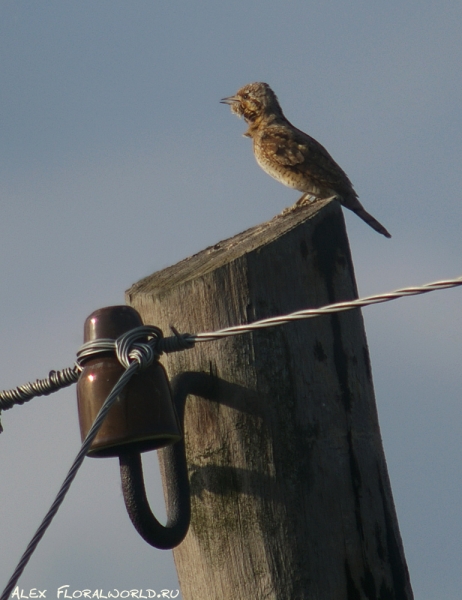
x,y
116,160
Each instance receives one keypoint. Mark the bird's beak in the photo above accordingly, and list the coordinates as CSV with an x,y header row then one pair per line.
x,y
230,100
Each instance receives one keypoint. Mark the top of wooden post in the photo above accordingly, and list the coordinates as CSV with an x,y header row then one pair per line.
x,y
232,248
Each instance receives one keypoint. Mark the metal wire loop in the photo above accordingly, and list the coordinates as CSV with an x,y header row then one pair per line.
x,y
140,345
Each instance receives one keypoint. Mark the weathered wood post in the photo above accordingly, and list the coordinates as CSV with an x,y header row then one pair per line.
x,y
290,492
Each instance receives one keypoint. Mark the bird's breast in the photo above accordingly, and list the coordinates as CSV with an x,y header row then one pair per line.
x,y
278,172
289,176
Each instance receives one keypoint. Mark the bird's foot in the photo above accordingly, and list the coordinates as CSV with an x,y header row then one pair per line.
x,y
305,200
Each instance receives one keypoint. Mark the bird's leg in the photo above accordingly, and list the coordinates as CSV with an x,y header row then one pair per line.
x,y
305,200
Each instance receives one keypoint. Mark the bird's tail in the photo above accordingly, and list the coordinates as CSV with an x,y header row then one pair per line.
x,y
355,205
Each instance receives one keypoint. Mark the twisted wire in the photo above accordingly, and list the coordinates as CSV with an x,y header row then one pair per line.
x,y
155,341
129,349
330,308
56,380
177,342
135,359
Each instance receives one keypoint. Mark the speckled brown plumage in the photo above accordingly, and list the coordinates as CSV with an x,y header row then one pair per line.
x,y
291,156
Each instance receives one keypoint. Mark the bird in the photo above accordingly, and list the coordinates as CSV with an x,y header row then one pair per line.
x,y
291,156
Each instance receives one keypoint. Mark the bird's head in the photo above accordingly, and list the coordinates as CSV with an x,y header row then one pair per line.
x,y
253,101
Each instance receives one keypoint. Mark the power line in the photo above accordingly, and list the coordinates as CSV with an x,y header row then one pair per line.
x,y
59,379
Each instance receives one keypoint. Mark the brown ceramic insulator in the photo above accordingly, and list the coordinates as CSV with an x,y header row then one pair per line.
x,y
142,417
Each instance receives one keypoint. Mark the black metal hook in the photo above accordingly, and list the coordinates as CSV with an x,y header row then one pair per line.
x,y
136,502
176,474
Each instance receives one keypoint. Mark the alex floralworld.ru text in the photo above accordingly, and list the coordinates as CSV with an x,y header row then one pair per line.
x,y
64,593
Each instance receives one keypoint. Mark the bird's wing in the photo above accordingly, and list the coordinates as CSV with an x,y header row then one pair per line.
x,y
278,143
291,147
299,152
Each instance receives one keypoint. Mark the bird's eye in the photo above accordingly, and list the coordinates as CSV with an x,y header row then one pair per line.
x,y
245,96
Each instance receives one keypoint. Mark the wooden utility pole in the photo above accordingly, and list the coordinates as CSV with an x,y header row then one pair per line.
x,y
290,492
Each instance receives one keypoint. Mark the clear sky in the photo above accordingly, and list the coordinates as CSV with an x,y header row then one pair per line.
x,y
116,160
